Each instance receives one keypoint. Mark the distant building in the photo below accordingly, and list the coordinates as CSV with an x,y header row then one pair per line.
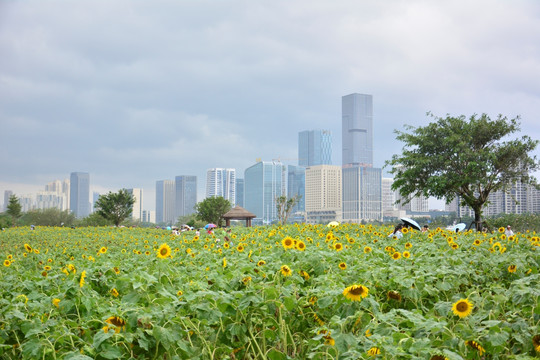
x,y
149,216
186,195
314,147
323,194
7,195
362,194
137,213
221,182
80,194
165,201
95,198
240,192
296,186
62,189
263,183
357,130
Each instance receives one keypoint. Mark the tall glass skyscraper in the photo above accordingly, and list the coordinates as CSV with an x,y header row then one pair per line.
x,y
240,192
165,200
186,194
263,183
296,186
357,130
79,196
221,182
314,147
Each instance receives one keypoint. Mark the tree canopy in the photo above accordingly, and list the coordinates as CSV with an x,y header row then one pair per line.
x,y
115,207
212,209
14,208
465,158
284,207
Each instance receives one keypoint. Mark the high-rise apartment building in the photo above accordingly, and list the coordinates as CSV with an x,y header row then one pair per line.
x,y
357,130
7,195
296,186
323,194
263,183
79,196
314,147
362,194
165,200
240,192
186,194
137,213
221,182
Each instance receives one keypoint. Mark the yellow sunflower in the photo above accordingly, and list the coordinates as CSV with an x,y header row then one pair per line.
x,y
117,322
404,230
374,351
367,250
261,263
164,251
300,245
501,230
338,246
393,295
56,302
114,292
408,245
476,346
246,280
406,254
304,274
7,263
396,255
462,308
28,248
224,262
179,293
286,271
438,357
103,250
342,265
287,242
328,340
356,292
536,343
81,280
512,269
240,248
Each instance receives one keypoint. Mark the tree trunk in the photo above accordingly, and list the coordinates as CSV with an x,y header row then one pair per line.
x,y
478,218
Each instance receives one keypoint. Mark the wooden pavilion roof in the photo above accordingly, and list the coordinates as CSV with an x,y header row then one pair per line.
x,y
239,213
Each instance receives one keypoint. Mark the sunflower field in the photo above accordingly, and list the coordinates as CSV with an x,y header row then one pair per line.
x,y
292,292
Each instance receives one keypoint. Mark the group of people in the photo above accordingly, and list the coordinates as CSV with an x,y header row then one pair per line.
x,y
399,233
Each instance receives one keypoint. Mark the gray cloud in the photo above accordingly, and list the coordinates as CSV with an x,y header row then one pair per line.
x,y
135,92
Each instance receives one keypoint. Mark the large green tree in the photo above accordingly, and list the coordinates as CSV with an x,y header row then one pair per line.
x,y
48,217
115,207
465,158
212,209
14,208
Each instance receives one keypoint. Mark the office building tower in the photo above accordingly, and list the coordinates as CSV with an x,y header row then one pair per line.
x,y
263,183
323,194
186,194
296,186
221,182
362,194
314,147
7,195
149,216
79,195
61,189
165,200
240,192
95,198
357,130
138,204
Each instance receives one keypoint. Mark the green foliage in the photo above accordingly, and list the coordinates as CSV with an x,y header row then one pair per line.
x,y
94,219
115,207
48,217
5,221
190,220
284,207
14,207
212,209
465,158
521,223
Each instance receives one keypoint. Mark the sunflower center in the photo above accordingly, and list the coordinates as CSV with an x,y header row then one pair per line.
x,y
163,251
357,290
462,306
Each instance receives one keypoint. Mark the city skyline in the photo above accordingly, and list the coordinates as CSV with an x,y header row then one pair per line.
x,y
133,92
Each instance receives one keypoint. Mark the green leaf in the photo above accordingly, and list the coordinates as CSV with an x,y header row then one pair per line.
x,y
77,356
111,352
276,355
100,337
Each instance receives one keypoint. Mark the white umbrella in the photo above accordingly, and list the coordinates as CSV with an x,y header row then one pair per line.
x,y
411,222
459,227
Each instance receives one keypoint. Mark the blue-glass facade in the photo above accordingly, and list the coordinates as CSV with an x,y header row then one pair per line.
x,y
186,194
296,176
357,130
79,194
263,183
314,147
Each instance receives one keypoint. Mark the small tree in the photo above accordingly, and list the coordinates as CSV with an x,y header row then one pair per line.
x,y
285,206
455,157
48,217
115,207
212,209
14,208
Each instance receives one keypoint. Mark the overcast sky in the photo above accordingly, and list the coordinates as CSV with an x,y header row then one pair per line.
x,y
139,91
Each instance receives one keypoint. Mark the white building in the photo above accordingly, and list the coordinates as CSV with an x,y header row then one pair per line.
x,y
221,182
137,213
323,194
